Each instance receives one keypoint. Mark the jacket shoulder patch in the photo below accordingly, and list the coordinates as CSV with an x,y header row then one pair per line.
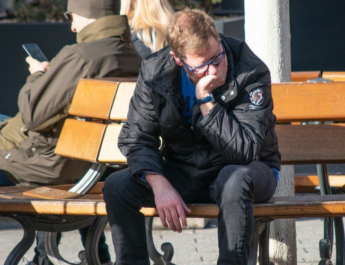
x,y
256,96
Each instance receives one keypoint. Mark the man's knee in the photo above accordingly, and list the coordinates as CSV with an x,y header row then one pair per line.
x,y
234,183
116,184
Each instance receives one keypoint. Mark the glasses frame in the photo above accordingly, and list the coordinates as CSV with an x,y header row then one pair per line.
x,y
68,16
204,64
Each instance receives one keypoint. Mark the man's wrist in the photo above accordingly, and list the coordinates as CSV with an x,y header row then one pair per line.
x,y
154,180
205,99
142,175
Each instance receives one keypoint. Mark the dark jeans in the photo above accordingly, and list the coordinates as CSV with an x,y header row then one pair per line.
x,y
235,190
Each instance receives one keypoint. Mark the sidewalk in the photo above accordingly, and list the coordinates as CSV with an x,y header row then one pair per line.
x,y
192,247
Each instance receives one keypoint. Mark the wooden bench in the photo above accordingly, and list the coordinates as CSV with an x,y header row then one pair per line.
x,y
310,183
304,76
334,76
97,111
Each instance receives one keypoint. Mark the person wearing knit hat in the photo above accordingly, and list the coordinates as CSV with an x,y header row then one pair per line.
x,y
94,8
103,49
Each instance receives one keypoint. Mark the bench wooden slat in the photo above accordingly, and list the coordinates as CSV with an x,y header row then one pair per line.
x,y
93,98
311,144
335,76
307,183
278,207
80,140
123,96
304,76
309,102
50,193
109,152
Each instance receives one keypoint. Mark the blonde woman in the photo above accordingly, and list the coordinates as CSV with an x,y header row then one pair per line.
x,y
147,19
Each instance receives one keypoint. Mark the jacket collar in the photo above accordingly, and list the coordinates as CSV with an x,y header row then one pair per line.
x,y
105,27
229,90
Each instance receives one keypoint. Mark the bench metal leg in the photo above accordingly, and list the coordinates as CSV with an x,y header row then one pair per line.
x,y
167,248
340,240
23,246
53,253
325,244
93,236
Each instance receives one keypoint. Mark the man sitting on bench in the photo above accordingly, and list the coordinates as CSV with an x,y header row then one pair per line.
x,y
208,97
28,141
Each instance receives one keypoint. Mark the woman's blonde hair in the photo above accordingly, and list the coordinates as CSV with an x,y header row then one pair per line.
x,y
148,18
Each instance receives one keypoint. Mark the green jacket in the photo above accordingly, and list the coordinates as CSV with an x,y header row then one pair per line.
x,y
28,141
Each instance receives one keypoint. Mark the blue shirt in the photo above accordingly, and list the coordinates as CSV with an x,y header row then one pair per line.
x,y
276,172
188,95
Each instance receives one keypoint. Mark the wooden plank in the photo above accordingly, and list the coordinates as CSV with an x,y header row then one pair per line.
x,y
119,79
93,98
278,207
309,101
307,183
334,76
109,152
80,140
311,144
50,193
304,76
121,103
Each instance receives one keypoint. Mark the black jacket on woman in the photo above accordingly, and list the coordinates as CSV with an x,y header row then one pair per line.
x,y
238,130
141,48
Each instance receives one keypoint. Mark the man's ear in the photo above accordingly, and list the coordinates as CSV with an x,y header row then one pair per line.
x,y
177,60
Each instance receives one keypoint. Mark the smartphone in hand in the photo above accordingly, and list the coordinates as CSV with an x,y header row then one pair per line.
x,y
35,52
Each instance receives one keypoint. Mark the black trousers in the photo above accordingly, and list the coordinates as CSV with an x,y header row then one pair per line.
x,y
235,190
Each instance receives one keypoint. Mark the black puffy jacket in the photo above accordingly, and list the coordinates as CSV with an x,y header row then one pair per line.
x,y
238,129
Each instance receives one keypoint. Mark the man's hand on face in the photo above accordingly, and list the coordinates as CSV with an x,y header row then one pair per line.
x,y
215,77
36,66
170,206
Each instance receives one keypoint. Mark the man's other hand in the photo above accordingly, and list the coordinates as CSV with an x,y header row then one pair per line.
x,y
170,206
36,66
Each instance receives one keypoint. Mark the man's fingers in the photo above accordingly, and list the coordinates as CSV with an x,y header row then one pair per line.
x,y
162,217
185,207
170,220
175,213
182,214
28,59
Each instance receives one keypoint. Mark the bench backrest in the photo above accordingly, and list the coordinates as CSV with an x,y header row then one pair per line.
x,y
334,76
99,108
304,76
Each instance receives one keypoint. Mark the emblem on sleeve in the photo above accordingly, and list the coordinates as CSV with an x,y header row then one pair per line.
x,y
257,96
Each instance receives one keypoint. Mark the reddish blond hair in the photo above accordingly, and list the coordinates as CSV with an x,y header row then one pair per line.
x,y
190,30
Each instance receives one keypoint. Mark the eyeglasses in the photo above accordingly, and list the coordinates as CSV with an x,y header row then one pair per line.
x,y
68,16
203,68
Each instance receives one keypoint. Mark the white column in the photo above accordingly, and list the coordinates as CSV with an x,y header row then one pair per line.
x,y
267,32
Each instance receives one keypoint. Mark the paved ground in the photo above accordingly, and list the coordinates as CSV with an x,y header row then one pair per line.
x,y
192,246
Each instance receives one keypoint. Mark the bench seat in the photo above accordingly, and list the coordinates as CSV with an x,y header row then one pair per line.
x,y
93,204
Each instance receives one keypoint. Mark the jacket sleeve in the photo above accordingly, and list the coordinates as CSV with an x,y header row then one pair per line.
x,y
45,95
139,139
239,132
